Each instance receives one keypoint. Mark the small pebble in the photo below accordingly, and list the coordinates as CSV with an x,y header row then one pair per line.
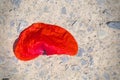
x,y
90,29
63,10
68,1
102,34
37,64
100,2
80,52
84,78
14,70
114,24
91,61
83,62
106,12
90,49
42,73
64,59
12,23
46,9
22,25
106,76
48,77
2,20
16,3
15,59
75,67
2,59
118,35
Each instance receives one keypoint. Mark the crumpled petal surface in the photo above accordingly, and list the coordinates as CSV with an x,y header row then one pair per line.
x,y
40,38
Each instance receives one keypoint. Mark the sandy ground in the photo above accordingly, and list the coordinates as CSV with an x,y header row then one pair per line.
x,y
98,57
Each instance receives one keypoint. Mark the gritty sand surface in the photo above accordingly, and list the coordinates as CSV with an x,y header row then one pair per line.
x,y
98,57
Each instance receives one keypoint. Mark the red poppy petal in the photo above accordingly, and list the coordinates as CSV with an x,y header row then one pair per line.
x,y
40,38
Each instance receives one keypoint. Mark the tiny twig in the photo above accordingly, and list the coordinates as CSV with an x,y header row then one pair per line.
x,y
74,22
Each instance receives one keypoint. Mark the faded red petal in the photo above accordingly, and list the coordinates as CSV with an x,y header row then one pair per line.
x,y
39,39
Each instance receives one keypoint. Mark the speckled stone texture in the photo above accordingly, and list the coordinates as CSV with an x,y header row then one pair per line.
x,y
95,24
